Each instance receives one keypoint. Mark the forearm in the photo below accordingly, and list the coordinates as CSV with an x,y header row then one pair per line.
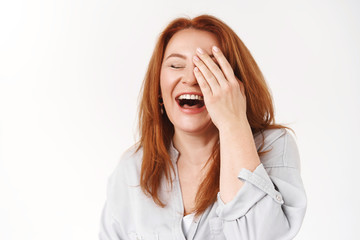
x,y
237,151
271,203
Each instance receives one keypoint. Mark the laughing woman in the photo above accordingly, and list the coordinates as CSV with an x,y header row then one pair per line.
x,y
211,163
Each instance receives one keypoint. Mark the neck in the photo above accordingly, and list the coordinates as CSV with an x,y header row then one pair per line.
x,y
195,149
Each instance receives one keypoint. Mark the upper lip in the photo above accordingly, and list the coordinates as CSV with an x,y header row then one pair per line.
x,y
190,93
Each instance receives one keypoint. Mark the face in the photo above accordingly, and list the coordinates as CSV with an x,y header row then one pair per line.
x,y
180,91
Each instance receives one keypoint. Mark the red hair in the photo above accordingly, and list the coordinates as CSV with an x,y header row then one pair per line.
x,y
156,130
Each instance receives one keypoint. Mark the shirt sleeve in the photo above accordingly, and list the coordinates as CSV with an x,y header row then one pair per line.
x,y
108,226
272,202
116,198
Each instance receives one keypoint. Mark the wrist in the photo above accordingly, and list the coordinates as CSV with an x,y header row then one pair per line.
x,y
233,126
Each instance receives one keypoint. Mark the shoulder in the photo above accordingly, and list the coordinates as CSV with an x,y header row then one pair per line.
x,y
123,182
128,166
280,147
131,156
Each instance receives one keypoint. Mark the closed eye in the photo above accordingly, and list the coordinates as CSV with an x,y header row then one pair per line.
x,y
176,67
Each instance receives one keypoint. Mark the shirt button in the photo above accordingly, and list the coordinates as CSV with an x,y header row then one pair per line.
x,y
278,197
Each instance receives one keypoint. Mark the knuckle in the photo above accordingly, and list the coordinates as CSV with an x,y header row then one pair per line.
x,y
219,72
213,79
231,70
226,88
234,83
203,85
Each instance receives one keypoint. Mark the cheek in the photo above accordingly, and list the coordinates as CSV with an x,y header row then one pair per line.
x,y
167,83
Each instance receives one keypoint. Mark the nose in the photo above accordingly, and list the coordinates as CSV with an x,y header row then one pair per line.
x,y
189,76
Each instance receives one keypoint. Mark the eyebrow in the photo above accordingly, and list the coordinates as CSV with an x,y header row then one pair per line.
x,y
176,55
182,56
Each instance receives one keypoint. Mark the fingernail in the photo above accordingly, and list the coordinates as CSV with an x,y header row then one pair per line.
x,y
199,50
196,58
215,49
196,69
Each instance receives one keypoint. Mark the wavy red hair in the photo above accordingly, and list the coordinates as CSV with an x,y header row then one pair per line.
x,y
156,130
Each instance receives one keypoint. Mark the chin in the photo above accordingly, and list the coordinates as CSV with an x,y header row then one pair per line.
x,y
195,128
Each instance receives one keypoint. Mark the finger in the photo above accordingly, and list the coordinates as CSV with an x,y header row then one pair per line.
x,y
241,85
224,64
204,86
208,76
210,62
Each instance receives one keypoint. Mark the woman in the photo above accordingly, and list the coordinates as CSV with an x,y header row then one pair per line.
x,y
211,163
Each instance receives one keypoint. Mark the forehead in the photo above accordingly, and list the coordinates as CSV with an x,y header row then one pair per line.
x,y
190,39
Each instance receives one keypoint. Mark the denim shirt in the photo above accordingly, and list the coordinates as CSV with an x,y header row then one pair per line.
x,y
270,205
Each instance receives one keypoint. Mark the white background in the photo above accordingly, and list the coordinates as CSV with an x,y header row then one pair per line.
x,y
71,71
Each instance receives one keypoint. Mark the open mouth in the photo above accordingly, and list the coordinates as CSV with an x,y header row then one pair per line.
x,y
190,101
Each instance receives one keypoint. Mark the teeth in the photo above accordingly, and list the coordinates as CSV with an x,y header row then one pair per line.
x,y
190,97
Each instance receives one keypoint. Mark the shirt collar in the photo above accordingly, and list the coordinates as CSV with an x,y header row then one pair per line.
x,y
174,153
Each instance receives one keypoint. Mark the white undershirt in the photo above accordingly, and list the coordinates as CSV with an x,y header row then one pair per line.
x,y
186,222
